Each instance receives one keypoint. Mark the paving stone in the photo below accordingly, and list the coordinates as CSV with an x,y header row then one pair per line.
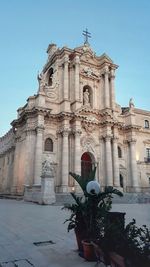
x,y
22,224
7,264
23,263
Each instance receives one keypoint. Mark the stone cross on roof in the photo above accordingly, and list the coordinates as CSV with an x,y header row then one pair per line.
x,y
86,35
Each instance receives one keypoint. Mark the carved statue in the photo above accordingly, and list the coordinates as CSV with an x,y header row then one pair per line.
x,y
86,98
40,81
131,103
48,169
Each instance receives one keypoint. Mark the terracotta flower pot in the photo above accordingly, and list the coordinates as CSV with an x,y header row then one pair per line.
x,y
80,235
88,251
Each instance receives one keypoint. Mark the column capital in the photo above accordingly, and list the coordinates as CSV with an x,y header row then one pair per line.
x,y
112,74
66,59
106,70
65,132
77,60
77,132
40,128
108,138
30,131
132,141
115,139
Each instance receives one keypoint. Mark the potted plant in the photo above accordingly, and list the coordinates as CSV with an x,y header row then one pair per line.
x,y
88,211
128,247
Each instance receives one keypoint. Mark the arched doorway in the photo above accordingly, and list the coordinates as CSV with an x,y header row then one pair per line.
x,y
86,164
121,181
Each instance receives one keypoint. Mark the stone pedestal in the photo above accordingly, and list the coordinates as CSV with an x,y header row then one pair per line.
x,y
43,194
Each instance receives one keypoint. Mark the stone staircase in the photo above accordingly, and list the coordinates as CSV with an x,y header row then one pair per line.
x,y
9,196
61,198
128,198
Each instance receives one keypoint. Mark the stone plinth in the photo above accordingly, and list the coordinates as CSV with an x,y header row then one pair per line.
x,y
43,194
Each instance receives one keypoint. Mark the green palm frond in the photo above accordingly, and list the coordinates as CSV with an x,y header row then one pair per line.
x,y
111,190
82,181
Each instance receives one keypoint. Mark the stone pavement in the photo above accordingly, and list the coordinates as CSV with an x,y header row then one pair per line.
x,y
22,224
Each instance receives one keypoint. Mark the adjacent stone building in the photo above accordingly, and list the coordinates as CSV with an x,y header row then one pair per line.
x,y
75,122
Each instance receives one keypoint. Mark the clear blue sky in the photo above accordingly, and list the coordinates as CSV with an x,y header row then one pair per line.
x,y
119,28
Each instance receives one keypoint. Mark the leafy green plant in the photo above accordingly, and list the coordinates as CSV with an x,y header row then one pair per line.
x,y
132,242
88,211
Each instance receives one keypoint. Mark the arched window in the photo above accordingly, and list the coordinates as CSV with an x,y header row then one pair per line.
x,y
119,152
146,124
50,75
48,145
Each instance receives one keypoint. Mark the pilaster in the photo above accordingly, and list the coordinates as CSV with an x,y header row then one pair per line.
x,y
133,166
106,87
115,162
112,88
77,68
38,155
77,152
30,146
66,92
65,160
108,157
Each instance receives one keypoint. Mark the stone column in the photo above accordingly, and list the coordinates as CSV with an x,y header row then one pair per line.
x,y
77,152
15,168
38,155
106,85
134,176
77,91
29,147
66,93
115,162
108,155
65,160
112,88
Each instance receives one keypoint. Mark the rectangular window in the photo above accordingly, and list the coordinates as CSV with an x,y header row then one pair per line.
x,y
148,153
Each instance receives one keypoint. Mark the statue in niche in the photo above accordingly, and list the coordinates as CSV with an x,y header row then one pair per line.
x,y
86,98
131,103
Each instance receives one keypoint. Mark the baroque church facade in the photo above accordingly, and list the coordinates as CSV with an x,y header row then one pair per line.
x,y
74,122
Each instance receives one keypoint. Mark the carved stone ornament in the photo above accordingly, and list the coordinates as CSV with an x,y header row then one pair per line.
x,y
90,73
48,169
88,144
89,128
52,90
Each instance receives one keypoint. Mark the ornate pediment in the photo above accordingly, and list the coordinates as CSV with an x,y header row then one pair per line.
x,y
87,55
104,58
